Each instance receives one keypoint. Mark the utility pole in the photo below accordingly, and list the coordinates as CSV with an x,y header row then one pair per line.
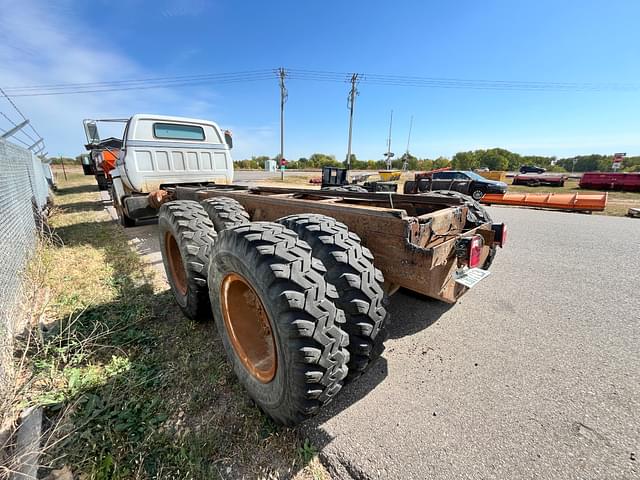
x,y
352,101
283,99
405,160
409,137
389,154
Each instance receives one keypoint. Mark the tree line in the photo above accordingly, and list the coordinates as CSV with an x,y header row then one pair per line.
x,y
493,159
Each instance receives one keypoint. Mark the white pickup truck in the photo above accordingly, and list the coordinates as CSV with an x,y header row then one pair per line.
x,y
161,151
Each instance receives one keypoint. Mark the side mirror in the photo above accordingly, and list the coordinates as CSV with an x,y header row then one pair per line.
x,y
228,139
91,131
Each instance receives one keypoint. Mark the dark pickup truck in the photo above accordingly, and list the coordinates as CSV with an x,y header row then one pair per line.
x,y
463,181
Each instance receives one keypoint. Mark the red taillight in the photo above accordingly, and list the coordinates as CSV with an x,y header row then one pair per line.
x,y
475,250
503,240
499,234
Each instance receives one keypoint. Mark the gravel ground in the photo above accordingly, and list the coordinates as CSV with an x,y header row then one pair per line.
x,y
535,373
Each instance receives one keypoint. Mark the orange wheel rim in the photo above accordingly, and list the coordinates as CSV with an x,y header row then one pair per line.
x,y
176,267
248,326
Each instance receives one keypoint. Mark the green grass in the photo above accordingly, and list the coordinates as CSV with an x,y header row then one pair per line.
x,y
130,387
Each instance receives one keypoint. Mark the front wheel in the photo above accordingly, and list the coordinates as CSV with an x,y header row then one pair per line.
x,y
477,194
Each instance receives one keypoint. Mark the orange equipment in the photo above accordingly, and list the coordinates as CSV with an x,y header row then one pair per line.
x,y
556,201
109,158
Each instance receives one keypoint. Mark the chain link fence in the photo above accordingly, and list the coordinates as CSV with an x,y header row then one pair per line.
x,y
24,191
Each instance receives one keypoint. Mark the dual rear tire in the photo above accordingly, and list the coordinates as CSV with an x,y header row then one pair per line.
x,y
291,337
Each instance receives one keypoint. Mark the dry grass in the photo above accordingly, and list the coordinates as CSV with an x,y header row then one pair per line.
x,y
131,388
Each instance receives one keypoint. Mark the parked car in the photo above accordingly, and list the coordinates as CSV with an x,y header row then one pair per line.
x,y
482,169
463,181
532,169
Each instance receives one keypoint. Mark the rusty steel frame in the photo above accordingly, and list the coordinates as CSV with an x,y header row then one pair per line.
x,y
412,237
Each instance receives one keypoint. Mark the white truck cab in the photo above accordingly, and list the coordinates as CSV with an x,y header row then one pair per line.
x,y
161,151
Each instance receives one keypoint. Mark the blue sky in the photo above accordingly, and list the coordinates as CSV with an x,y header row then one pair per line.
x,y
547,41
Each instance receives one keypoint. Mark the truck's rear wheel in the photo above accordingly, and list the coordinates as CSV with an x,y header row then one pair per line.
x,y
277,318
360,285
103,183
225,212
186,238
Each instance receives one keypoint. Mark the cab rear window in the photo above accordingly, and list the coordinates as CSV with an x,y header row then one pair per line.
x,y
175,131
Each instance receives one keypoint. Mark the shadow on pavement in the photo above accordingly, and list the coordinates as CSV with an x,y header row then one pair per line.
x,y
411,312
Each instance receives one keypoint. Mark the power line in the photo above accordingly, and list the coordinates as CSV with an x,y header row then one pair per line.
x,y
133,81
312,75
440,82
142,86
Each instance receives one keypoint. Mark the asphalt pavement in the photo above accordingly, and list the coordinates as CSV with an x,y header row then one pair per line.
x,y
534,373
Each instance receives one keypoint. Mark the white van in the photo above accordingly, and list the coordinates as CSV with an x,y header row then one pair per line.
x,y
160,151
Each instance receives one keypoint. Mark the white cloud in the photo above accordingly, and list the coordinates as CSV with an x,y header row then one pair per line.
x,y
43,42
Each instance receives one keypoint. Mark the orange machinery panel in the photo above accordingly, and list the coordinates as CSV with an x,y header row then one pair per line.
x,y
109,158
556,201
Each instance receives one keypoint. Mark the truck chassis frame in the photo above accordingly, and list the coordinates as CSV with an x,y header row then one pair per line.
x,y
413,237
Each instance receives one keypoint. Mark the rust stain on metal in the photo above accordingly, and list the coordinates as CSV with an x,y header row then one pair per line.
x,y
158,197
413,243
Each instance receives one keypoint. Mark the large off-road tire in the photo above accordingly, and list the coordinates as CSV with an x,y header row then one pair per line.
x,y
359,283
225,212
186,239
103,183
276,315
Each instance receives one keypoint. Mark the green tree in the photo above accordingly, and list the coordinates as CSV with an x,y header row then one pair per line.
x,y
319,160
464,161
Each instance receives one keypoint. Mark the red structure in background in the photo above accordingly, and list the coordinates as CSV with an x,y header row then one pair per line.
x,y
611,181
